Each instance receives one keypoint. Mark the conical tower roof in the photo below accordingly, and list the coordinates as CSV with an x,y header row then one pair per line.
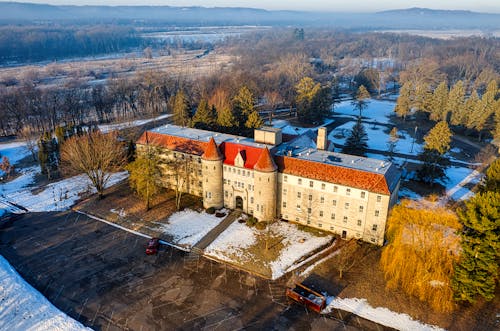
x,y
212,152
265,162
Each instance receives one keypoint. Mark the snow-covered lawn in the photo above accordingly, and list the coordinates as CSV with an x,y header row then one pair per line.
x,y
55,196
23,308
379,315
235,245
287,128
188,226
377,110
15,151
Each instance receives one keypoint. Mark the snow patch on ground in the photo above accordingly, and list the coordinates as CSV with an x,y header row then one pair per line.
x,y
233,243
287,128
15,151
297,244
377,110
23,308
120,126
188,226
55,196
379,315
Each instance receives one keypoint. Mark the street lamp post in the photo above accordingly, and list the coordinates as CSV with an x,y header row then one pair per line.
x,y
414,138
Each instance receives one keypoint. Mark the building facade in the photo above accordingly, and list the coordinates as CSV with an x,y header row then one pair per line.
x,y
301,180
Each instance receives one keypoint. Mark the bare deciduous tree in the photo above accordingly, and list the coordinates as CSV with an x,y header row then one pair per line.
x,y
95,154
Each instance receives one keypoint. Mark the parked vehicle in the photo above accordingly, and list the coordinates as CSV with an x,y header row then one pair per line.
x,y
153,246
307,297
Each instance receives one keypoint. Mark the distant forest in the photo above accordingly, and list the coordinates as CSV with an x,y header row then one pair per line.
x,y
39,43
272,66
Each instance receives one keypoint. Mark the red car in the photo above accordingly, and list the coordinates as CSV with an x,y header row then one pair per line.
x,y
153,245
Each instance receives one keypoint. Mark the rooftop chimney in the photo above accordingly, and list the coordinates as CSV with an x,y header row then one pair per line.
x,y
322,138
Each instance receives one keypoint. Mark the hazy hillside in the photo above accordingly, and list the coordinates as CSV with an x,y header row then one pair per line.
x,y
14,12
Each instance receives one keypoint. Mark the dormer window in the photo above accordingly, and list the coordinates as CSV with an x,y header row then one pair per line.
x,y
239,161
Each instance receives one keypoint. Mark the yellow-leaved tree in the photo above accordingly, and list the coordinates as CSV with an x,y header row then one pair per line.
x,y
423,247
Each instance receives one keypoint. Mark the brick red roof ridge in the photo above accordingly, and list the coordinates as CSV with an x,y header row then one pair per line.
x,y
356,178
212,152
265,162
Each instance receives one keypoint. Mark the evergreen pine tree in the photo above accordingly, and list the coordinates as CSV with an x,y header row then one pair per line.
x,y
456,104
254,121
356,142
181,109
243,105
421,97
403,103
439,138
492,179
470,108
437,143
145,175
438,103
204,118
226,120
477,272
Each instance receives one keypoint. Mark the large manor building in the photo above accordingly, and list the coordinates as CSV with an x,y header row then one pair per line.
x,y
301,180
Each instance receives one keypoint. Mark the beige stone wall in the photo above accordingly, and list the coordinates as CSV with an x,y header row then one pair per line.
x,y
343,210
265,195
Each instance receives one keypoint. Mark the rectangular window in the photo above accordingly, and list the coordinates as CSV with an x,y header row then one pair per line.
x,y
331,228
299,195
311,183
251,200
225,181
199,172
322,199
361,209
347,191
284,204
308,210
226,194
377,213
320,213
296,219
335,189
363,194
285,179
310,197
298,207
239,172
299,181
334,203
285,191
374,227
333,216
379,198
346,206
323,186
200,184
345,219
320,225
359,222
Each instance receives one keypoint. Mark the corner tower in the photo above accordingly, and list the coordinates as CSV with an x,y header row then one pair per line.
x,y
212,163
266,183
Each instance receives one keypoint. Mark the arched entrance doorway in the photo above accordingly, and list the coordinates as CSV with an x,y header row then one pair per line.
x,y
239,202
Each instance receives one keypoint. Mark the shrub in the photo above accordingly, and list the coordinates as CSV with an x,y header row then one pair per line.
x,y
251,221
261,225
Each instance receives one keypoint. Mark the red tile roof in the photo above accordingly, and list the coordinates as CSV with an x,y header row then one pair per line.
x,y
265,162
212,152
333,174
249,153
173,143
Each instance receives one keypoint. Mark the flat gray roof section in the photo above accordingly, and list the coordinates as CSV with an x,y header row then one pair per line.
x,y
204,135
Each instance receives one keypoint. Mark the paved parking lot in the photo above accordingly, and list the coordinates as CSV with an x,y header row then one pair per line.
x,y
100,275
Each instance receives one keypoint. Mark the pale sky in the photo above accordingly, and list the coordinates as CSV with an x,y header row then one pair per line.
x,y
487,6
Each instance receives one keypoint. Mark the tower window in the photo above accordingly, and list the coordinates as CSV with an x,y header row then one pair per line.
x,y
363,194
379,198
377,213
299,181
361,209
311,183
323,186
